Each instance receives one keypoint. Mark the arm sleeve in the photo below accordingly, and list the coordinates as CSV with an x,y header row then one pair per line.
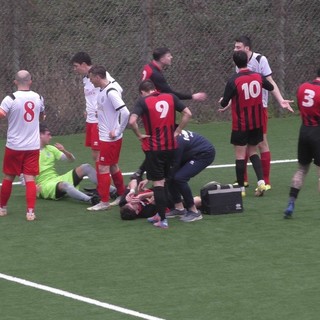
x,y
229,92
267,84
124,117
6,103
264,67
179,105
162,86
137,109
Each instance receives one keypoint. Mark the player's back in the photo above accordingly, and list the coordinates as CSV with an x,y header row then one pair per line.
x,y
159,121
308,97
23,110
247,104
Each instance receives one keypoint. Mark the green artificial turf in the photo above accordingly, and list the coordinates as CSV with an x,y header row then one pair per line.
x,y
251,265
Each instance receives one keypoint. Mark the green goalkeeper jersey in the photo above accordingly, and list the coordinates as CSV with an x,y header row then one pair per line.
x,y
48,156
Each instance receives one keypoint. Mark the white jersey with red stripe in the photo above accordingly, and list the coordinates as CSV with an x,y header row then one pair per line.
x,y
23,110
110,105
91,94
259,63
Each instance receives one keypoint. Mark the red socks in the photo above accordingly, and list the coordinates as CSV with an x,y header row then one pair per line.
x,y
118,182
266,164
104,182
5,192
31,195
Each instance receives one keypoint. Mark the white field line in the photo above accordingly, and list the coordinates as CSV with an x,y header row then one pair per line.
x,y
79,298
96,302
209,167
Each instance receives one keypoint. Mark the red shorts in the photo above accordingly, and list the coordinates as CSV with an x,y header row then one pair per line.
x,y
265,120
92,136
109,152
16,162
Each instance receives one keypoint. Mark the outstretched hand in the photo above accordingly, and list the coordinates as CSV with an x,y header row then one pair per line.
x,y
200,96
285,104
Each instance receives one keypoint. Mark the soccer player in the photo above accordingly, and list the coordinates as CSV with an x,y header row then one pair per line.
x,y
113,117
162,57
308,97
81,62
158,113
259,63
53,186
194,154
22,109
244,89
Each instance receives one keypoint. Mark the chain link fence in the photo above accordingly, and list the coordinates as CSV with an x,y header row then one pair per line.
x,y
42,36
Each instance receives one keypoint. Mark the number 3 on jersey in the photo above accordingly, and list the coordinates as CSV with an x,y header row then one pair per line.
x,y
308,100
29,113
162,107
251,89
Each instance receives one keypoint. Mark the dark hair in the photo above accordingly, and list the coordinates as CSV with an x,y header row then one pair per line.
x,y
158,53
81,57
98,71
146,86
240,58
245,40
43,128
127,213
318,72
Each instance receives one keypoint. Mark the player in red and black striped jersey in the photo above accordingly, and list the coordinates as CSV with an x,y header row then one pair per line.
x,y
259,63
244,89
162,57
158,113
308,97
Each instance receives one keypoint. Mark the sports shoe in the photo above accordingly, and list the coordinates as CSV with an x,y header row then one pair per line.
x,y
3,212
260,190
289,210
268,187
115,202
100,206
245,184
176,213
191,216
95,199
154,219
162,224
243,192
90,192
30,216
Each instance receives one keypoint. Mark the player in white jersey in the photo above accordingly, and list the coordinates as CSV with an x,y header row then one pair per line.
x,y
259,63
113,117
81,62
22,109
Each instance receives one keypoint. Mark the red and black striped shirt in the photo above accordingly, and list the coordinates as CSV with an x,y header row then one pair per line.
x,y
245,91
308,97
158,113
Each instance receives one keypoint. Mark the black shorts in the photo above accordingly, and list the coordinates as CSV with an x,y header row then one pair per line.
x,y
158,163
76,181
309,145
251,137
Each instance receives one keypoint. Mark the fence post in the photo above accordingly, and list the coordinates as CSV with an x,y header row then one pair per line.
x,y
148,29
280,44
15,35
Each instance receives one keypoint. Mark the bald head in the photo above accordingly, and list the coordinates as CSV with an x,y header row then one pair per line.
x,y
23,79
